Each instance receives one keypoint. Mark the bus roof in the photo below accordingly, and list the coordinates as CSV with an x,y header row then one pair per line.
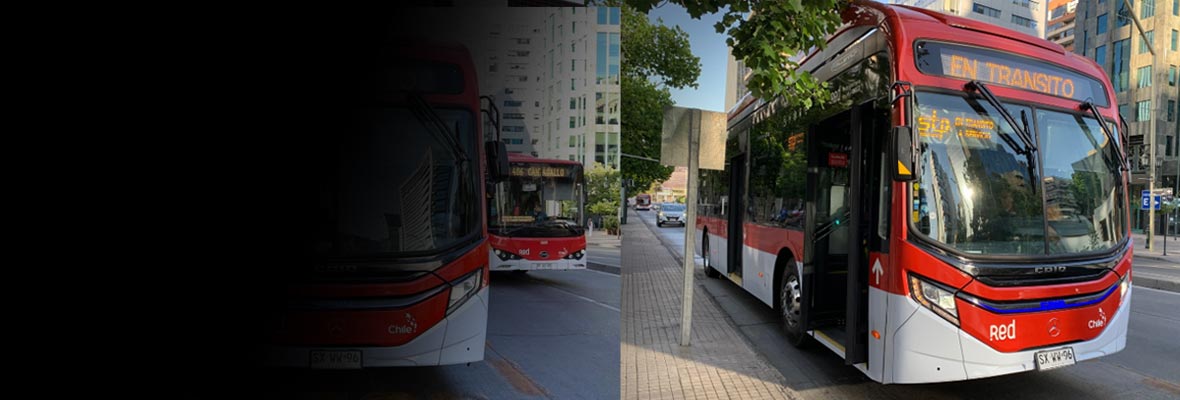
x,y
904,25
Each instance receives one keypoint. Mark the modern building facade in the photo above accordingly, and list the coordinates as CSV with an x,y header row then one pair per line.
x,y
581,113
554,75
1111,39
1026,16
1061,22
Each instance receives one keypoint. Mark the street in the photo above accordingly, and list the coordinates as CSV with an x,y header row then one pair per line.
x,y
1146,368
551,334
603,252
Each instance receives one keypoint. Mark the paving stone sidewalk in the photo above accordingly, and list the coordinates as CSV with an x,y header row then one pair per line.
x,y
718,365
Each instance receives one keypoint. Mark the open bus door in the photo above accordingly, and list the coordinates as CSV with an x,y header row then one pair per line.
x,y
843,184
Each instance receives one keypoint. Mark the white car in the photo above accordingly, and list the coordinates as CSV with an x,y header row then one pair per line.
x,y
670,213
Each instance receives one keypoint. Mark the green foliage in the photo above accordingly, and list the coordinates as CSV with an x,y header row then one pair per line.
x,y
655,57
602,190
604,208
765,35
642,123
611,224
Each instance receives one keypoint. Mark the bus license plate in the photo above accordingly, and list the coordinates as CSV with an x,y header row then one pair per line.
x,y
1050,359
545,266
335,359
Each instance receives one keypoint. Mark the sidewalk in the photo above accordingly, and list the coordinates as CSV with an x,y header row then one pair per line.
x,y
1157,250
718,365
599,238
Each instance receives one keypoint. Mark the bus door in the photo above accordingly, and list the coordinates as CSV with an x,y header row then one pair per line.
x,y
737,207
835,259
867,196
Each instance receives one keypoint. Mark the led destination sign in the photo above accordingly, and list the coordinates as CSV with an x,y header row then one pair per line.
x,y
1009,70
540,171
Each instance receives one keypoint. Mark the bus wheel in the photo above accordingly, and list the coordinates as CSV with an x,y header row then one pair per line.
x,y
790,302
709,271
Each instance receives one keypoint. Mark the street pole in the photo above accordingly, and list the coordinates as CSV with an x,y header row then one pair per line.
x,y
1151,125
690,223
622,201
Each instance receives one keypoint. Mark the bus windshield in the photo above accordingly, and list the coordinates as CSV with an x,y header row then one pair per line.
x,y
977,195
537,206
398,187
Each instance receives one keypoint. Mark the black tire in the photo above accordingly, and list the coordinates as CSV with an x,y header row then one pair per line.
x,y
790,305
709,271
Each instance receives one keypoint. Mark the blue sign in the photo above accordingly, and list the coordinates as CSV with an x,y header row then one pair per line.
x,y
1146,201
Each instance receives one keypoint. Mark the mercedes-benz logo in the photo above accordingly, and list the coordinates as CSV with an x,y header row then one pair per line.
x,y
544,254
1053,329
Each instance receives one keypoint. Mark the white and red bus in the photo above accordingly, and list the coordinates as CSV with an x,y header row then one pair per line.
x,y
400,270
957,211
535,216
642,202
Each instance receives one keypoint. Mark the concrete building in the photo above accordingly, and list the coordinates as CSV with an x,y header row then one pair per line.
x,y
554,75
581,58
1027,16
1114,43
1061,18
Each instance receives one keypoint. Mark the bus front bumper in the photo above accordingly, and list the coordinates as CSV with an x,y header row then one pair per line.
x,y
929,349
531,265
457,339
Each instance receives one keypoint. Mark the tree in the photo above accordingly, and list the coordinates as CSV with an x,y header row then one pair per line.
x,y
765,35
602,190
655,57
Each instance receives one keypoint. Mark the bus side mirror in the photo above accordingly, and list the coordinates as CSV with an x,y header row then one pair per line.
x,y
903,150
497,153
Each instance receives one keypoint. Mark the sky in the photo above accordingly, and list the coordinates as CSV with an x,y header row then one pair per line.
x,y
707,44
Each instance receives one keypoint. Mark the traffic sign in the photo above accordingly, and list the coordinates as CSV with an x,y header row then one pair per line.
x,y
1148,201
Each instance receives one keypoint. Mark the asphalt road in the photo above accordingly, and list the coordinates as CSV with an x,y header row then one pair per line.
x,y
603,252
1146,369
551,334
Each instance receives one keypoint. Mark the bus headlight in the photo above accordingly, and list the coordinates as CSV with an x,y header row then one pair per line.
x,y
577,255
937,298
463,288
1124,284
505,256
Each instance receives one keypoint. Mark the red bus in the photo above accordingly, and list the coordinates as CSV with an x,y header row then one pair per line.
x,y
642,202
957,211
400,271
535,216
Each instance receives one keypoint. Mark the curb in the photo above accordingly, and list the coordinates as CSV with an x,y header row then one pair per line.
x,y
1153,257
1161,284
610,269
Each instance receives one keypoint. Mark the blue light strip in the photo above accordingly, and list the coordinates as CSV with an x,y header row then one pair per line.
x,y
1048,305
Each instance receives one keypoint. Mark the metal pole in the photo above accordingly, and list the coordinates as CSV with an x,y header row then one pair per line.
x,y
1151,124
690,212
622,202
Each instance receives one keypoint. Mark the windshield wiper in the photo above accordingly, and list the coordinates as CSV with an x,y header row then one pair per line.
x,y
425,113
1030,148
1021,130
1109,135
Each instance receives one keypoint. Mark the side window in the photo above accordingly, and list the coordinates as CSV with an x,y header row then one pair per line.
x,y
778,170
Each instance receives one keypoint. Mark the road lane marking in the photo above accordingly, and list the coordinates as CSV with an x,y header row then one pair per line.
x,y
608,306
514,375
